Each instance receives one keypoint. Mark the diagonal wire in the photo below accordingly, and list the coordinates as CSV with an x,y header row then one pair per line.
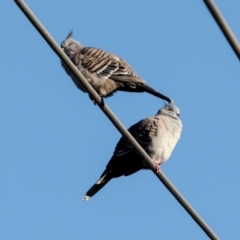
x,y
226,30
36,23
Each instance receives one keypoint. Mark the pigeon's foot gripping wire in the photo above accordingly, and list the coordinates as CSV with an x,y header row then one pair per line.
x,y
157,167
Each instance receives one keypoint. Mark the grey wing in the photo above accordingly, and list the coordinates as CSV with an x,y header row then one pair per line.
x,y
106,65
143,132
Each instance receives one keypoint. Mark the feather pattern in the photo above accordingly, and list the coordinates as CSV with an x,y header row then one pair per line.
x,y
106,65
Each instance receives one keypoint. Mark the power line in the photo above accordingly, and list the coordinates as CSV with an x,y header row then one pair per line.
x,y
226,30
55,47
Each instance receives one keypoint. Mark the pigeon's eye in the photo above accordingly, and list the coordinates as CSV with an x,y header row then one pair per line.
x,y
71,44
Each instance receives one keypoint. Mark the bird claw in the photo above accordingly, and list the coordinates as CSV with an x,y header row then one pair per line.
x,y
157,167
101,104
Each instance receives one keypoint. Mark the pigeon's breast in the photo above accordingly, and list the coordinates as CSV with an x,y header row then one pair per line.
x,y
161,147
75,80
165,139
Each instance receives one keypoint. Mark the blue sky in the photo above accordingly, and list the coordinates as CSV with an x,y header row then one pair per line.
x,y
54,143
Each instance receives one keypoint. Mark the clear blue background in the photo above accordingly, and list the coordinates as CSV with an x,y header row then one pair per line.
x,y
54,143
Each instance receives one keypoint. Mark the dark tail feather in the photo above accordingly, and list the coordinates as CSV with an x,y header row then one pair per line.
x,y
150,90
103,180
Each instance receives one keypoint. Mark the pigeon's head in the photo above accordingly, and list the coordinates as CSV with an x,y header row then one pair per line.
x,y
170,110
70,46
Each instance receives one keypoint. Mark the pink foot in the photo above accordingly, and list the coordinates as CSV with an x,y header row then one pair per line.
x,y
157,167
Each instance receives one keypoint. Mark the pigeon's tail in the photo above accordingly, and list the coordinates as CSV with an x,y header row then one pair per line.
x,y
103,180
146,88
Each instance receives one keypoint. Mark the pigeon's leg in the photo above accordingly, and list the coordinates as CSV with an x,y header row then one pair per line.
x,y
90,96
157,167
101,104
